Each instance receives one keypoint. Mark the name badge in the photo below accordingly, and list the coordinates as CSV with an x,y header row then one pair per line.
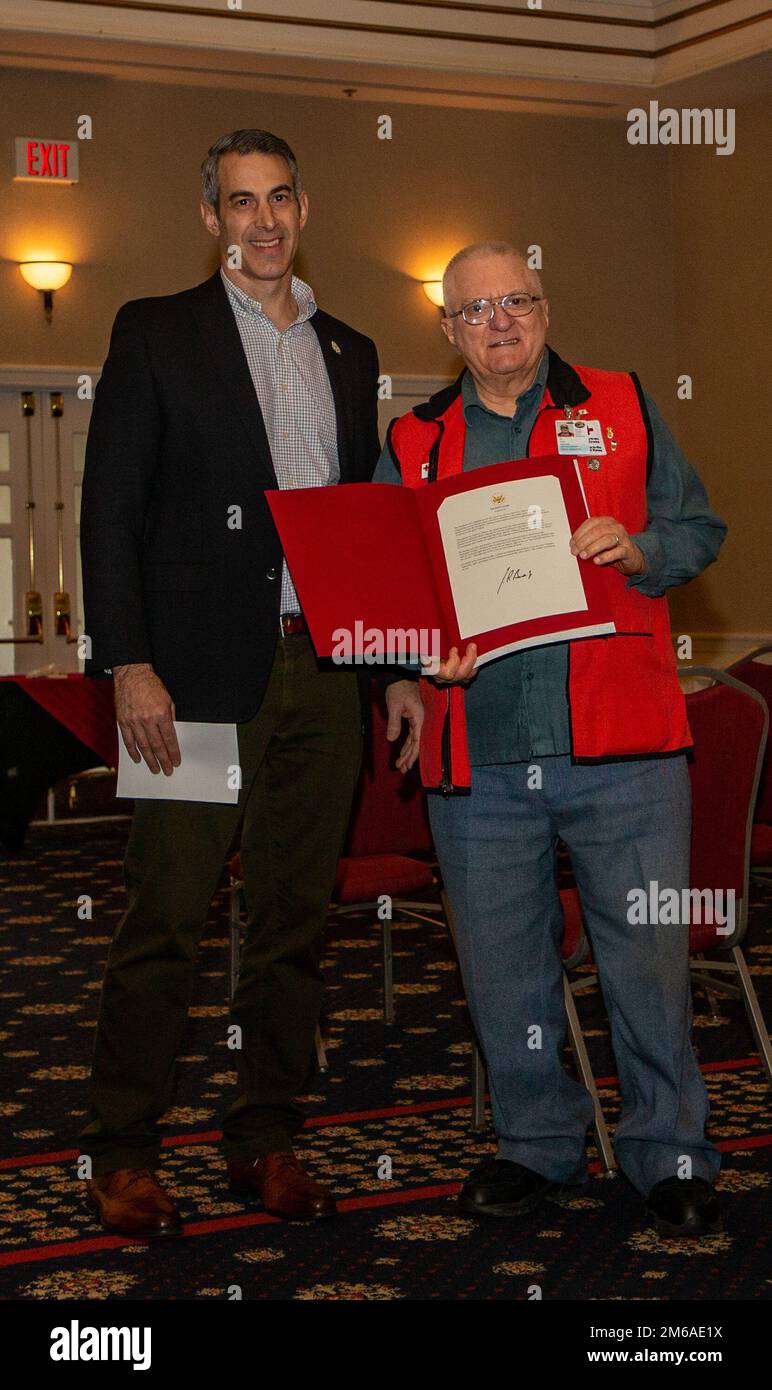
x,y
579,437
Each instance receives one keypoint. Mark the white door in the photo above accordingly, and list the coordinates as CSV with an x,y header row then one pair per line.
x,y
42,448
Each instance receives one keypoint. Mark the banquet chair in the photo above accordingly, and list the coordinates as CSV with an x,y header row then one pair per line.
x,y
729,721
389,854
752,671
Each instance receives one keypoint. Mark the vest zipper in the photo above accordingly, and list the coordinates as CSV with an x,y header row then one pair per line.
x,y
434,454
541,411
446,784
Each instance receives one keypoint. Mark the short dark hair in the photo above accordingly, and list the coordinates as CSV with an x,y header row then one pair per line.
x,y
244,142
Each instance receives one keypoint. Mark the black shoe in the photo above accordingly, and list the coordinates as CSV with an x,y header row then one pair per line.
x,y
685,1207
503,1188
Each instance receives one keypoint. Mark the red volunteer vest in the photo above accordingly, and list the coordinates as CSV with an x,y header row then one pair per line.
x,y
623,692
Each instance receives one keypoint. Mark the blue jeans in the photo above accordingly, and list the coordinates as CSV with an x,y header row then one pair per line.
x,y
625,824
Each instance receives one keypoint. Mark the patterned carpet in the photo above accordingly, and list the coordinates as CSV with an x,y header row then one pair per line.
x,y
389,1127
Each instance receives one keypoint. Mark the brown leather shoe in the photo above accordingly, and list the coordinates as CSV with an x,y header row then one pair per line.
x,y
132,1202
283,1186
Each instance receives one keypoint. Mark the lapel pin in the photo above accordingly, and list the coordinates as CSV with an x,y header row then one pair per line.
x,y
334,345
609,432
594,464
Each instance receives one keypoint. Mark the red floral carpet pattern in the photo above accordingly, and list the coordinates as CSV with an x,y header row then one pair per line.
x,y
389,1129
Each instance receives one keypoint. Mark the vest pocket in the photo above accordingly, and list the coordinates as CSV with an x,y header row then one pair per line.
x,y
625,698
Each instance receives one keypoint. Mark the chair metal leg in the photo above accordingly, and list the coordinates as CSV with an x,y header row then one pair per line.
x,y
406,905
700,977
709,995
478,1088
321,1055
579,1050
755,1016
407,911
234,937
388,975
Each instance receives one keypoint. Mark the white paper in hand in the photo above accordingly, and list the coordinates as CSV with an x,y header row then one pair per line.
x,y
208,771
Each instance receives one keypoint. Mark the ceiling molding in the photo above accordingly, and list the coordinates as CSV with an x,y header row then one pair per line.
x,y
587,58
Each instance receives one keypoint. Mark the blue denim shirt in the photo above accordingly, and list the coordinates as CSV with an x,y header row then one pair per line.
x,y
517,706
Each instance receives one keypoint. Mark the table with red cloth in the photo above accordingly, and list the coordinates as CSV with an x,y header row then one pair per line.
x,y
51,727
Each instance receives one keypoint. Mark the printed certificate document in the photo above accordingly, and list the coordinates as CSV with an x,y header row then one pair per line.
x,y
507,556
480,557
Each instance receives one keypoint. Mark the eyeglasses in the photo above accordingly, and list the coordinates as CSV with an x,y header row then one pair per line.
x,y
482,310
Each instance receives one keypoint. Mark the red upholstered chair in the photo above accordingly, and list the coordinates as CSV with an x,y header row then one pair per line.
x,y
389,852
729,721
757,673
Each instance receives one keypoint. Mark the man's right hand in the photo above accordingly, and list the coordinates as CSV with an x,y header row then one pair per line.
x,y
145,714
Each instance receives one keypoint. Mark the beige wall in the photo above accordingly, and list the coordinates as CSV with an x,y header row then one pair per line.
x,y
385,214
721,247
629,265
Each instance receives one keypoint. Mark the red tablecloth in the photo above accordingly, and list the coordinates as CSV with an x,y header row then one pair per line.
x,y
82,705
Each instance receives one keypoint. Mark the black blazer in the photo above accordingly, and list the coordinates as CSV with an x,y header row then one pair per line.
x,y
177,439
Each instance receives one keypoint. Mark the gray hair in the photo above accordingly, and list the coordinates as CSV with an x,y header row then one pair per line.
x,y
485,248
244,142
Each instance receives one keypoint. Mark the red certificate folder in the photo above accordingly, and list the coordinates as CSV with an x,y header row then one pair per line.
x,y
372,561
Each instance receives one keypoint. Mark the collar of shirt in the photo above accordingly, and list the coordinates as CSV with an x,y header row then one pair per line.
x,y
302,294
472,404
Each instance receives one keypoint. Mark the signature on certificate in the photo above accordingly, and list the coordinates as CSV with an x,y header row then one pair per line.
x,y
510,574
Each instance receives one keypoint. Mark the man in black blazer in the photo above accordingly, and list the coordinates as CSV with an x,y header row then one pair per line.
x,y
207,399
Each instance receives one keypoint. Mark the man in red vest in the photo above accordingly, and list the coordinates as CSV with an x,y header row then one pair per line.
x,y
583,742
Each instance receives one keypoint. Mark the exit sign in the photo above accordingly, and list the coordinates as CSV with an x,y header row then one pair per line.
x,y
46,161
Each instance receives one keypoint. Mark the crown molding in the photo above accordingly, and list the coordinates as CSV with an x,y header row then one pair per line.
x,y
587,58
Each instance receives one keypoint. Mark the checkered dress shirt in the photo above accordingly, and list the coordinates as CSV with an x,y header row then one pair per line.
x,y
295,397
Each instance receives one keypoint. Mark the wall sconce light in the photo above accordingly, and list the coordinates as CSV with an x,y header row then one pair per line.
x,y
46,276
433,292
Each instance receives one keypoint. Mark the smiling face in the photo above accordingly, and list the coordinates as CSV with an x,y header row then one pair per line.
x,y
503,347
259,214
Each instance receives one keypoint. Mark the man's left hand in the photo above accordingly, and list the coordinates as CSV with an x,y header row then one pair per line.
x,y
605,541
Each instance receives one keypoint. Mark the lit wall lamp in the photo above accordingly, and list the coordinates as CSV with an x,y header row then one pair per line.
x,y
433,292
46,276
